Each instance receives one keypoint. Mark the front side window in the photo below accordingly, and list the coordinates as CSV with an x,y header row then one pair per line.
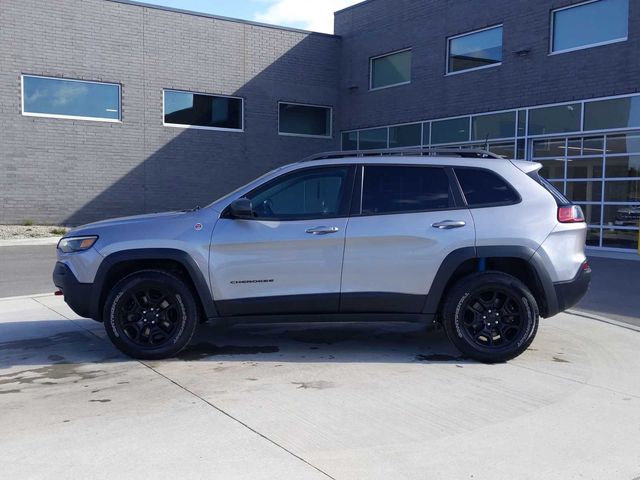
x,y
475,50
390,70
589,24
304,120
405,189
63,98
485,188
308,194
196,110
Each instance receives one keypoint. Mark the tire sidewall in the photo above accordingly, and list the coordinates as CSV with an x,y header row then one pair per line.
x,y
453,316
188,314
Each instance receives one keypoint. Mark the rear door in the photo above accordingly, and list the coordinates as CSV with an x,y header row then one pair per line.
x,y
406,220
288,258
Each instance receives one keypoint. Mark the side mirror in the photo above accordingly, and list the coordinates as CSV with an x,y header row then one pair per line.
x,y
241,208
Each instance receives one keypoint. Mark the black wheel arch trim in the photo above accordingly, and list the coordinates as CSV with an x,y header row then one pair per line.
x,y
183,258
459,256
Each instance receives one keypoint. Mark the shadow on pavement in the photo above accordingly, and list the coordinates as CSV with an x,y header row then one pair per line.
x,y
59,353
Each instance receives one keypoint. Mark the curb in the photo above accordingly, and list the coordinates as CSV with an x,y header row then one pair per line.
x,y
600,318
25,242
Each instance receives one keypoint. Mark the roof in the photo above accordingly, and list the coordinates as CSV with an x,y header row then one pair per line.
x,y
219,17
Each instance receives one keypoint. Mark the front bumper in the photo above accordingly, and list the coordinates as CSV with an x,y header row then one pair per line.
x,y
571,292
77,295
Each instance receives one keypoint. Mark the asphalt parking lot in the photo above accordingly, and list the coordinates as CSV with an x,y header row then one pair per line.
x,y
315,401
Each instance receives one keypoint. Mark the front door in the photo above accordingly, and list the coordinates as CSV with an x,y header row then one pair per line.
x,y
410,218
288,259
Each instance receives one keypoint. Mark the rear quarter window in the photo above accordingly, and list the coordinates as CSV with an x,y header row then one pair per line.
x,y
483,188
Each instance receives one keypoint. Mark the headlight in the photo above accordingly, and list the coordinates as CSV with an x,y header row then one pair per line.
x,y
77,244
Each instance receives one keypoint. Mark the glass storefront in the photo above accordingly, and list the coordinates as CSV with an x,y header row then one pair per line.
x,y
590,150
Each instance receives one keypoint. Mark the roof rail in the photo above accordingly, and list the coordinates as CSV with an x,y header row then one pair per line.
x,y
445,152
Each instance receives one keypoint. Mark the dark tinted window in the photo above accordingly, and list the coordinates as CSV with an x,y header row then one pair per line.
x,y
305,120
197,110
312,193
399,189
482,187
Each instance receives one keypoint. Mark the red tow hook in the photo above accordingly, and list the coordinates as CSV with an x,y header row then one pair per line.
x,y
58,293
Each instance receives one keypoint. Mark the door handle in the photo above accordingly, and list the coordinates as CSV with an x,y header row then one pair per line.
x,y
449,224
322,230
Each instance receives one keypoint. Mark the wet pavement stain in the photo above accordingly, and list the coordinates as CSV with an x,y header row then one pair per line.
x,y
204,350
104,400
439,357
47,342
4,392
47,373
316,385
560,360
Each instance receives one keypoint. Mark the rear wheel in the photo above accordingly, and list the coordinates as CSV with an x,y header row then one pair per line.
x,y
491,317
150,315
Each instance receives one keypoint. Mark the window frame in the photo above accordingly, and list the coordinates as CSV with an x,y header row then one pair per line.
x,y
460,35
388,54
285,134
344,208
358,191
200,127
486,205
582,47
70,117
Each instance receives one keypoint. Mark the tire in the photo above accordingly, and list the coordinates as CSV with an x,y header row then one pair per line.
x,y
150,315
491,317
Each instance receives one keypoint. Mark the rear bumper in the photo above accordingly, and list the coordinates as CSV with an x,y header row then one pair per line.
x,y
77,295
571,292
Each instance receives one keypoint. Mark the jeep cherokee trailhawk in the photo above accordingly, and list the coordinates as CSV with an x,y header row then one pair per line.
x,y
476,243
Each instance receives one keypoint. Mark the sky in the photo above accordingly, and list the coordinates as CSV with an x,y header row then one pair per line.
x,y
316,15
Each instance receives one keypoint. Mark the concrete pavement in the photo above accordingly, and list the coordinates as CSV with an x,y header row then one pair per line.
x,y
26,269
315,401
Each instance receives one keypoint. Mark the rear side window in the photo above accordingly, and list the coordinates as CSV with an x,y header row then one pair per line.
x,y
484,188
405,189
560,199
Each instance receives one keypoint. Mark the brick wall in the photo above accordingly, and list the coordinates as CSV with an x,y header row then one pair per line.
x,y
380,26
74,171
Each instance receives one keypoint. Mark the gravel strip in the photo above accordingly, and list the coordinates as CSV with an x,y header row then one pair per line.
x,y
13,232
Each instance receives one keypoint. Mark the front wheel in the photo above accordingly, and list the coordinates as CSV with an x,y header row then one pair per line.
x,y
491,317
150,315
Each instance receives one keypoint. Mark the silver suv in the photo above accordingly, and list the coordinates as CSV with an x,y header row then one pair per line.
x,y
476,243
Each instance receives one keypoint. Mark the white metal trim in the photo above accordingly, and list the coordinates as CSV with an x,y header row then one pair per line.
x,y
70,117
284,134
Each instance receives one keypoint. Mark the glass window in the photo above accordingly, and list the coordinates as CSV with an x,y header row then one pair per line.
x,y
622,215
505,150
593,146
426,133
592,214
628,166
57,97
405,135
374,139
349,140
402,189
593,237
584,191
305,120
590,24
202,111
482,187
584,168
450,131
622,191
552,168
522,123
521,149
549,148
563,118
307,194
392,69
615,238
498,125
623,143
615,113
475,50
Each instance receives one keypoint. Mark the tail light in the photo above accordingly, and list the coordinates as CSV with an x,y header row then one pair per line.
x,y
570,214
